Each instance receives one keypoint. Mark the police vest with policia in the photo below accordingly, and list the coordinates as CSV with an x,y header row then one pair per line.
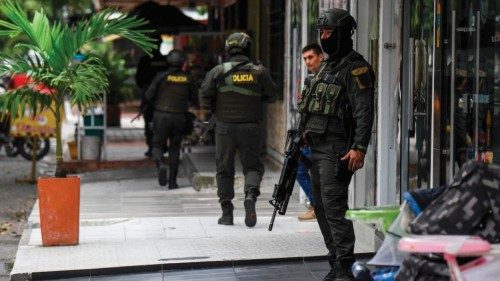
x,y
235,92
170,95
338,103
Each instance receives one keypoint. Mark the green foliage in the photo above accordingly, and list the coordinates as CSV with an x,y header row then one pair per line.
x,y
119,75
55,8
54,46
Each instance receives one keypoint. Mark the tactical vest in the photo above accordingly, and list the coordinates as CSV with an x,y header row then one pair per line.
x,y
324,98
173,92
239,94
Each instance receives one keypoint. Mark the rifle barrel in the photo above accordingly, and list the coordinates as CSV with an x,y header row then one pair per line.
x,y
272,219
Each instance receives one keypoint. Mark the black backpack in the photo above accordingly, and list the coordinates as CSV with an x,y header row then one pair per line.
x,y
469,205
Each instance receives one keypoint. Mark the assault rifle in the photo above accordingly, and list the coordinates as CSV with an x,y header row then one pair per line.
x,y
283,190
209,126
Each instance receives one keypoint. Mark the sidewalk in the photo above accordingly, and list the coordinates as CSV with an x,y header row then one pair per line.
x,y
128,223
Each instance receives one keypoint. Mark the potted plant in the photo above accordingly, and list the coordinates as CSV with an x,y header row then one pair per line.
x,y
54,46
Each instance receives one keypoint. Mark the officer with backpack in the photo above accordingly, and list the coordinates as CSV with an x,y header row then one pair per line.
x,y
170,95
235,92
339,104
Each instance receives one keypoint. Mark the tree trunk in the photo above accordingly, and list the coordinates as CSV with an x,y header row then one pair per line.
x,y
60,173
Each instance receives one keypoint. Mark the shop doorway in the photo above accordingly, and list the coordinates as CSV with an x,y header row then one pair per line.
x,y
451,99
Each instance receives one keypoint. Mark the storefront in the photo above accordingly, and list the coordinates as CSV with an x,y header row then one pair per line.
x,y
454,100
438,101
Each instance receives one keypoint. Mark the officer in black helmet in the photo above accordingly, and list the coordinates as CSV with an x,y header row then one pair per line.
x,y
235,91
338,104
170,94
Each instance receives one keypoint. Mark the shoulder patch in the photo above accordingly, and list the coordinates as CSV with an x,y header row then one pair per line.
x,y
363,77
359,70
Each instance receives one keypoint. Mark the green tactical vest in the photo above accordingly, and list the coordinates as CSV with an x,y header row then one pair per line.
x,y
239,94
324,97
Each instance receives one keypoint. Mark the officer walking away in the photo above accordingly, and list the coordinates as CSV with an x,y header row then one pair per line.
x,y
170,95
338,104
313,57
235,91
147,69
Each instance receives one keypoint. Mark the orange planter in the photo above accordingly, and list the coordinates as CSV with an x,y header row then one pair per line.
x,y
59,202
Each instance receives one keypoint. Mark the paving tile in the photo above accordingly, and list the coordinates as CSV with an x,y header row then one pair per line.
x,y
214,274
138,253
36,237
142,233
70,279
108,233
202,278
287,271
155,276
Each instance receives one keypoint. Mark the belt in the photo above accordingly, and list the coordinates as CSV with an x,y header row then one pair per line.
x,y
318,139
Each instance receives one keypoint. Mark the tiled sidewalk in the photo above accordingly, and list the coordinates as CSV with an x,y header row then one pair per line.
x,y
128,223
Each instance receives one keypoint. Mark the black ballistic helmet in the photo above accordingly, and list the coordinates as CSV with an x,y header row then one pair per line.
x,y
333,18
176,57
343,25
238,42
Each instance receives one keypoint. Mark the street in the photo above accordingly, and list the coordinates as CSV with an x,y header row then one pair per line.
x,y
16,201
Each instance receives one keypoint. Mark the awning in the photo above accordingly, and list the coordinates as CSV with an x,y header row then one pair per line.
x,y
166,18
127,5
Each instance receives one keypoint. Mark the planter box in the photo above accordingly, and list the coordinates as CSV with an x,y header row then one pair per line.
x,y
59,202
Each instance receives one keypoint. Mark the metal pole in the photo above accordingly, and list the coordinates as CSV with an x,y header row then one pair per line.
x,y
434,159
407,97
451,167
476,98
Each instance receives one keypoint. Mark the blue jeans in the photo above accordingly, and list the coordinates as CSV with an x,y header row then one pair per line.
x,y
303,177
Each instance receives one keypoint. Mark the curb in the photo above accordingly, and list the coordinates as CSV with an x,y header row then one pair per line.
x,y
162,267
93,165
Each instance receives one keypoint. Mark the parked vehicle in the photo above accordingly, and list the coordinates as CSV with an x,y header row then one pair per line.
x,y
8,143
19,145
24,146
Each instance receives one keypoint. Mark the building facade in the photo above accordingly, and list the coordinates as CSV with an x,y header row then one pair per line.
x,y
437,95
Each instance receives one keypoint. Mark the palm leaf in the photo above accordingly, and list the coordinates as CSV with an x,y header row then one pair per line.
x,y
18,17
9,29
54,46
89,82
14,101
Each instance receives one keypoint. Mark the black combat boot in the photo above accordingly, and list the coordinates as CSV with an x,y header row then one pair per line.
x,y
162,174
250,214
333,270
172,180
172,183
227,213
344,272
